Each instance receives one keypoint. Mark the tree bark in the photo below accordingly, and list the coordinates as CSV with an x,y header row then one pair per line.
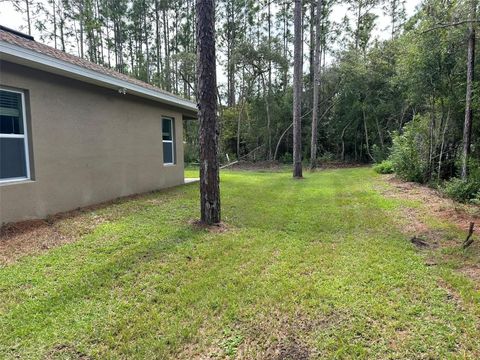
x,y
166,41
297,90
29,22
316,85
207,112
467,129
266,97
367,142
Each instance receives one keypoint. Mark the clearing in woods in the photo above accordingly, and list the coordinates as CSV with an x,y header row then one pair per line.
x,y
315,268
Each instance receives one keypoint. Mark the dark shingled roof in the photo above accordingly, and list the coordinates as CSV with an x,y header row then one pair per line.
x,y
15,38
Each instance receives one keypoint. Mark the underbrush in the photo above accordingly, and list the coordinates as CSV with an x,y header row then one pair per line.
x,y
385,167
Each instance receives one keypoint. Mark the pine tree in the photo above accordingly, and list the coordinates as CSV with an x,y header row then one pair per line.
x,y
297,90
207,113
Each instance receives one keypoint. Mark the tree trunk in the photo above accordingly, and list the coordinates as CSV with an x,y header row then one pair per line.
x,y
207,113
297,90
29,21
467,129
266,97
147,50
316,86
54,18
280,140
367,142
311,59
343,142
168,77
158,43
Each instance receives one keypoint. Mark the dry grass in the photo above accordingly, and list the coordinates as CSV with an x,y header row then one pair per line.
x,y
443,222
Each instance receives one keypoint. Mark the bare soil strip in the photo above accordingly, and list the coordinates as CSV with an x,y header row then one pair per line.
x,y
422,224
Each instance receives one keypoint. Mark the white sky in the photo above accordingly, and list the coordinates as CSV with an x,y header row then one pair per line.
x,y
10,18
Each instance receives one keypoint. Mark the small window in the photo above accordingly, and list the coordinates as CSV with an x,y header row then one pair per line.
x,y
14,163
168,137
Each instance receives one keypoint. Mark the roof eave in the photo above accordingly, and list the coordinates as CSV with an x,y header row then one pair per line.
x,y
30,58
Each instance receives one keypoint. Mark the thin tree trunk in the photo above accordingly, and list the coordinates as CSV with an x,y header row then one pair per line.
x,y
467,129
62,33
54,13
239,122
29,21
285,44
280,140
147,49
159,43
81,29
442,146
267,108
168,83
316,86
367,142
297,90
343,142
207,113
357,29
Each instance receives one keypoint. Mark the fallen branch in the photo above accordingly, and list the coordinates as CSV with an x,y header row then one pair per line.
x,y
240,158
468,241
229,164
419,242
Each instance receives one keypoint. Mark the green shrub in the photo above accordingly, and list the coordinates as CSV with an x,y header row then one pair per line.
x,y
385,167
476,199
462,190
326,157
410,151
379,153
286,158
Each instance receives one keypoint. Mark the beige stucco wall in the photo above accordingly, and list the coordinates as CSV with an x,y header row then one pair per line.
x,y
88,145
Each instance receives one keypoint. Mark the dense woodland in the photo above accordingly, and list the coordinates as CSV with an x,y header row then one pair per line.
x,y
405,98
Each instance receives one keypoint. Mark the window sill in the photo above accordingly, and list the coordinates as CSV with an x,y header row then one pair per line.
x,y
169,165
15,181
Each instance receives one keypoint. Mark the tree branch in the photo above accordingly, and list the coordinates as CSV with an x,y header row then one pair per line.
x,y
442,26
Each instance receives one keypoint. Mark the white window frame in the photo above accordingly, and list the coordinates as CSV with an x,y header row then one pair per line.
x,y
169,141
23,136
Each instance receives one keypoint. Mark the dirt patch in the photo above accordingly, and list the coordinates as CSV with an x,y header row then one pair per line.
x,y
293,351
280,337
417,224
472,271
439,206
65,352
35,236
28,238
273,336
215,228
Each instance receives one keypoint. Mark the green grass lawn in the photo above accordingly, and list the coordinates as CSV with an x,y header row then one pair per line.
x,y
313,268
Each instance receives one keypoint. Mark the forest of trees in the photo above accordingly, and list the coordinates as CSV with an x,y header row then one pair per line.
x,y
410,97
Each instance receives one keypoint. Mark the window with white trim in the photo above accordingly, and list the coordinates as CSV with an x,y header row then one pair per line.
x,y
168,137
14,162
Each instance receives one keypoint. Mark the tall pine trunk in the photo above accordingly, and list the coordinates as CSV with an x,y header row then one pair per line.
x,y
297,90
207,113
467,129
316,85
29,21
166,41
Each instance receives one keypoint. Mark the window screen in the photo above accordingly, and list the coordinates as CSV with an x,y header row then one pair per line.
x,y
168,141
13,140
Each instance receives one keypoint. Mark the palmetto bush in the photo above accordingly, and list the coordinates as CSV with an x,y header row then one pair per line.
x,y
410,151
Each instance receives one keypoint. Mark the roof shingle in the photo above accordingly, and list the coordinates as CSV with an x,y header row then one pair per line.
x,y
26,43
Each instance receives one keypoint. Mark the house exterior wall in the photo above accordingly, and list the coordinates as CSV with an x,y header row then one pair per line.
x,y
87,145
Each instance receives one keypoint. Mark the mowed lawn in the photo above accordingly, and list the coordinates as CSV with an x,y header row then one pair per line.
x,y
313,268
